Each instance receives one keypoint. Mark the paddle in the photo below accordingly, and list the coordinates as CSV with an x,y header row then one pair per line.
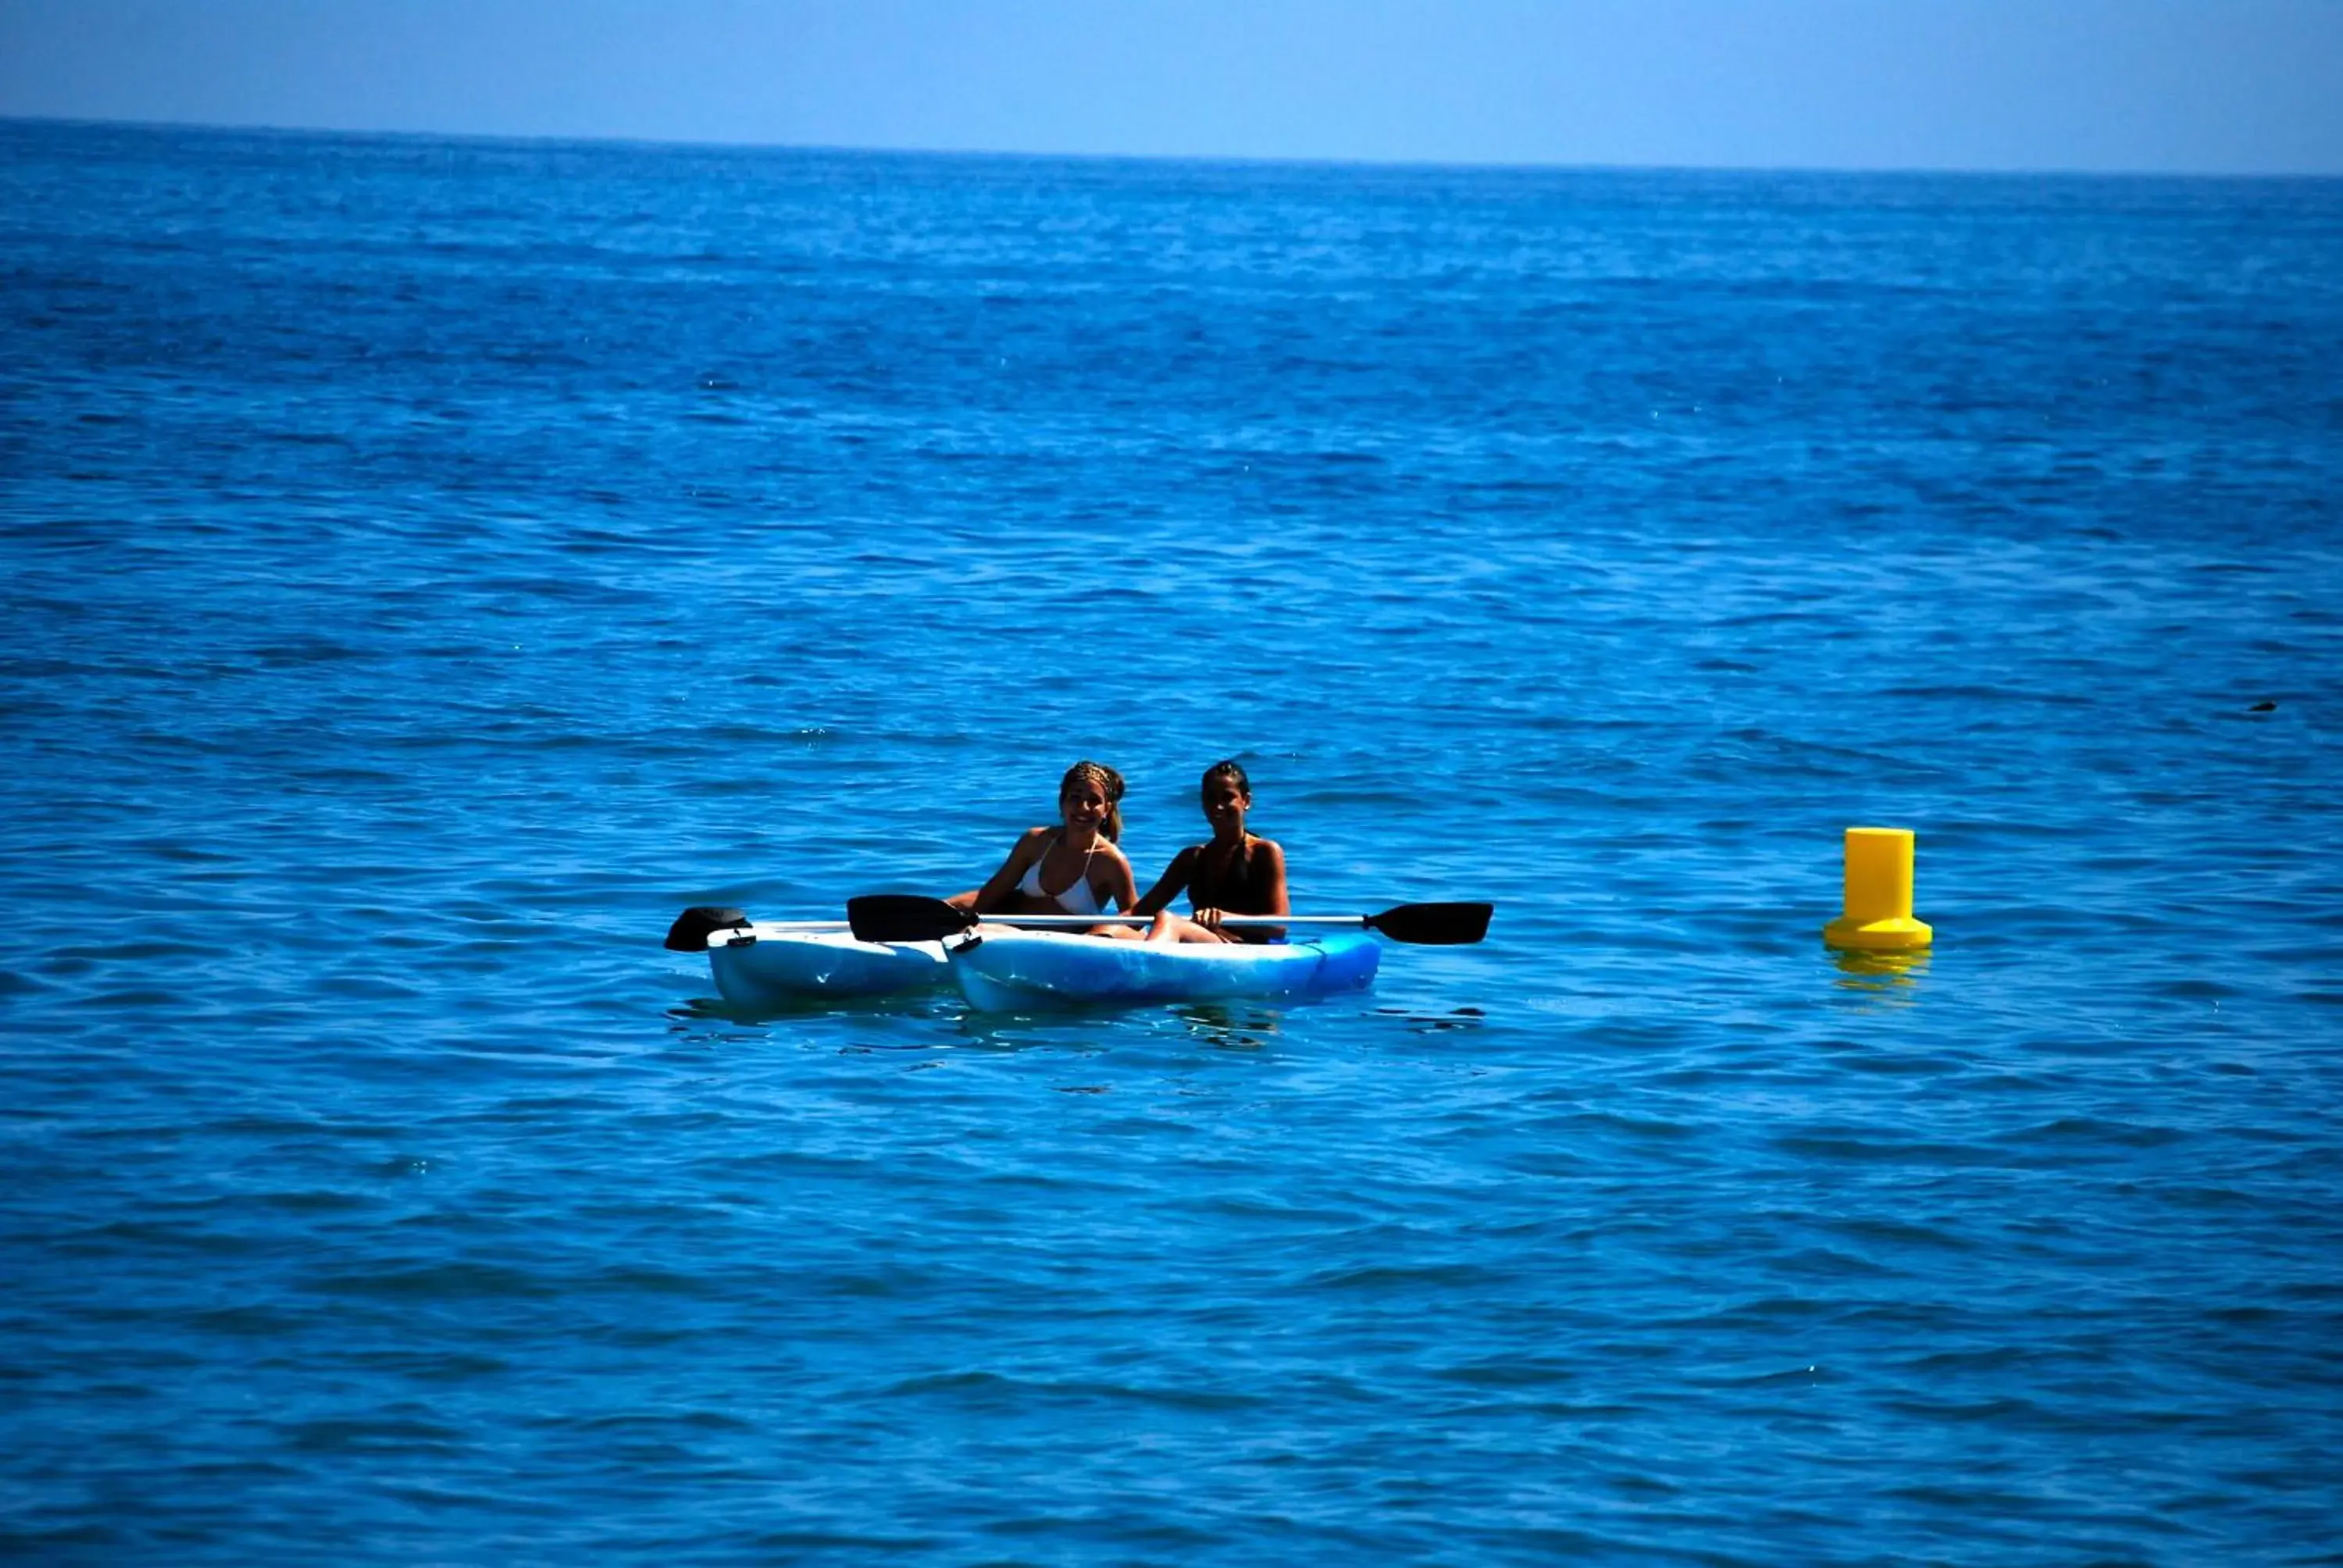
x,y
909,918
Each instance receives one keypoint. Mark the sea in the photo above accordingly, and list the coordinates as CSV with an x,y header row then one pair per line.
x,y
427,566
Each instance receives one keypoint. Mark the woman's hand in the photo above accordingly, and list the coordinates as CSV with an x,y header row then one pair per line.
x,y
1209,918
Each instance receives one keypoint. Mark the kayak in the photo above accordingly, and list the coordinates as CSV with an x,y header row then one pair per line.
x,y
770,965
774,968
908,943
1024,969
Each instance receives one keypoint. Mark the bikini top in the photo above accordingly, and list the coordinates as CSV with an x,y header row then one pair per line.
x,y
1233,889
1236,890
1077,899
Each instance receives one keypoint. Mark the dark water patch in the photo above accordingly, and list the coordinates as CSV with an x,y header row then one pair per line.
x,y
448,1282
2195,991
793,1542
1901,1233
1852,1149
1386,1279
130,999
2083,1130
381,1435
247,1323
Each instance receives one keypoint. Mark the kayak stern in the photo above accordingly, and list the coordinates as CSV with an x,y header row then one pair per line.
x,y
791,967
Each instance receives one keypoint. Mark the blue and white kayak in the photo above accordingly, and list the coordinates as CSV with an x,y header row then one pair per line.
x,y
774,968
766,966
1018,971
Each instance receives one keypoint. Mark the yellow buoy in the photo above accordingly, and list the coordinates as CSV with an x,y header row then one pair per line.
x,y
1878,916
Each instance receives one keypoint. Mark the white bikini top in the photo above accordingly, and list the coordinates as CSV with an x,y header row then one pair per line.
x,y
1077,900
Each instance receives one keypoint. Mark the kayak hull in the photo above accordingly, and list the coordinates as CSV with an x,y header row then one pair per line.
x,y
1028,969
784,967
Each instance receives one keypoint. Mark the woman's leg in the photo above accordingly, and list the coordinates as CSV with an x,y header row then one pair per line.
x,y
1172,927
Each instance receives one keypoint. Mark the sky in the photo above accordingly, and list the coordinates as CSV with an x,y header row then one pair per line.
x,y
2192,86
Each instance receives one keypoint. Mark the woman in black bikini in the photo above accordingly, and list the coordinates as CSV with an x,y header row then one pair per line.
x,y
1237,873
1074,868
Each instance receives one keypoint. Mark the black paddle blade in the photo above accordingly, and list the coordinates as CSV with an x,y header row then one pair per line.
x,y
693,928
1434,925
905,918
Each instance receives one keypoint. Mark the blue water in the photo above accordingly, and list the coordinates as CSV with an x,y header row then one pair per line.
x,y
428,565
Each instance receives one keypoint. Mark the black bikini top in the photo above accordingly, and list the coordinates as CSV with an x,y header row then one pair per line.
x,y
1236,891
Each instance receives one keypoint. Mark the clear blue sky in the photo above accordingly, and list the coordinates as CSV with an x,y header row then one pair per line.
x,y
2184,85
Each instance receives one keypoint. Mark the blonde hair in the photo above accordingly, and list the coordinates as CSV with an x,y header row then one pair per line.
x,y
1110,784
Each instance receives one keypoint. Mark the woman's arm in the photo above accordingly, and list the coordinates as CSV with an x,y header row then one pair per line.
x,y
1273,874
1117,889
1003,882
1167,886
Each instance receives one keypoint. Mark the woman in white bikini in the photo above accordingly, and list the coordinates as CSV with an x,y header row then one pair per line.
x,y
1074,868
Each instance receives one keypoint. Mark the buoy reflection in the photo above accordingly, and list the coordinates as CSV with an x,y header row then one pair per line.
x,y
1885,977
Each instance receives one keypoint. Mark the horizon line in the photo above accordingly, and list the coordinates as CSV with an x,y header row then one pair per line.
x,y
1261,160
